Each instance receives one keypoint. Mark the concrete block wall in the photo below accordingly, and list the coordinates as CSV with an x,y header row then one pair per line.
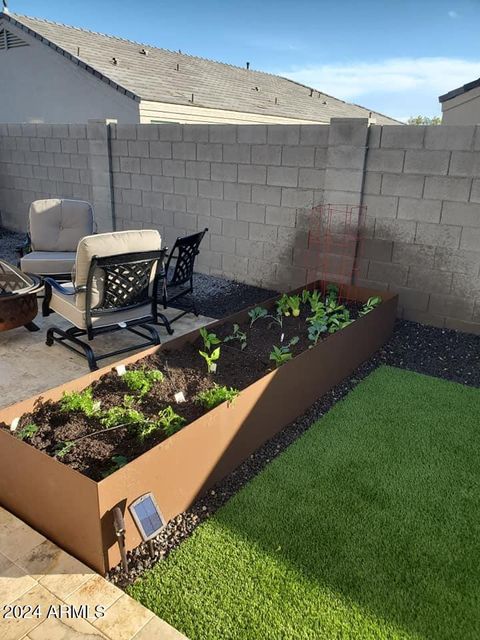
x,y
46,161
422,192
254,186
245,183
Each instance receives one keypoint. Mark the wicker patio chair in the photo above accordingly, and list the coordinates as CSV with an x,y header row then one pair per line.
x,y
55,228
114,289
177,276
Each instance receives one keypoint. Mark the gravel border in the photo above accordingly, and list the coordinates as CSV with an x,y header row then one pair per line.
x,y
9,240
442,353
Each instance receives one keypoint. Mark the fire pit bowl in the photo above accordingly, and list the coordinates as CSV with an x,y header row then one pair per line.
x,y
18,299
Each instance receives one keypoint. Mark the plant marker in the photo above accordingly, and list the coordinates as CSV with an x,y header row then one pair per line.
x,y
14,424
121,369
179,397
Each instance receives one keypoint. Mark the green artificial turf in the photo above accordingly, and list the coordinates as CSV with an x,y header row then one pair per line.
x,y
367,527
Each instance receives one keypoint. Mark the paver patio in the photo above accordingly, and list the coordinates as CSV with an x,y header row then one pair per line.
x,y
34,571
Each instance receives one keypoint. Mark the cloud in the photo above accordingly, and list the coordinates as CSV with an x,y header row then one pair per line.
x,y
391,76
452,14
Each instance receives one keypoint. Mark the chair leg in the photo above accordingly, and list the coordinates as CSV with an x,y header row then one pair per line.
x,y
46,311
54,334
162,320
31,326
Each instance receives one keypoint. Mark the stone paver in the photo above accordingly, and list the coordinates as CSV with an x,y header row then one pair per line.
x,y
63,594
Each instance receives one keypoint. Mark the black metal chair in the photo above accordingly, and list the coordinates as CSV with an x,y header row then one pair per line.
x,y
177,276
119,292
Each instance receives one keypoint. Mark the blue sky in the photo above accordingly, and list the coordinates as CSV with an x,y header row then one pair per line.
x,y
393,56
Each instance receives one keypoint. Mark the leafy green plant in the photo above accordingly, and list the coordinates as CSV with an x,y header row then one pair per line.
x,y
28,431
370,304
257,313
332,291
216,395
80,401
316,328
237,335
170,421
294,304
62,448
211,359
283,305
117,463
124,414
339,321
142,380
282,354
306,294
209,339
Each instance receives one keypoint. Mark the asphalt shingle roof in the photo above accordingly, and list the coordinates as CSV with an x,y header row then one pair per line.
x,y
172,77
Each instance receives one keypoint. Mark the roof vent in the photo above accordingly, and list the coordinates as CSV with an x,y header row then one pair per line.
x,y
177,67
143,52
114,61
9,40
311,93
248,65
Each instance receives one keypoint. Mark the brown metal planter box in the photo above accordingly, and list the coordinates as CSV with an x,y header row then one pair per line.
x,y
75,511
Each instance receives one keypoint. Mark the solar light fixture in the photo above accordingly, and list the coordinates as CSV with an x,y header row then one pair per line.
x,y
147,516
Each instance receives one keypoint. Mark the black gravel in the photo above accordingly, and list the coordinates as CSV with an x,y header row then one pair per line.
x,y
8,241
446,354
218,297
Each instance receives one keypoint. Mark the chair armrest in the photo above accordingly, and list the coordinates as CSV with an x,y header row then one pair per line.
x,y
25,247
63,290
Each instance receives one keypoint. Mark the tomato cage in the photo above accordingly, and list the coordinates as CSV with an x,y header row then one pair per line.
x,y
333,243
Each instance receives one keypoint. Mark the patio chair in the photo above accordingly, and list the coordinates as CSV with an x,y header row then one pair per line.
x,y
55,228
177,278
114,288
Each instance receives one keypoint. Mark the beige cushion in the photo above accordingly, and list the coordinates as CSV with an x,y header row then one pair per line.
x,y
109,244
58,224
67,307
48,263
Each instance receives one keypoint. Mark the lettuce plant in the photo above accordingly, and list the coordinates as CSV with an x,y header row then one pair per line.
x,y
257,313
80,401
28,431
142,380
370,304
211,398
282,354
169,421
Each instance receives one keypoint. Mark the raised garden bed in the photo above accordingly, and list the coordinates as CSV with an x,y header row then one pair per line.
x,y
71,500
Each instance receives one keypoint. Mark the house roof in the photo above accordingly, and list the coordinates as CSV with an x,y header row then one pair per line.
x,y
458,92
144,72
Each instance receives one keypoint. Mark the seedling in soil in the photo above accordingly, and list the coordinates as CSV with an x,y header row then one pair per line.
x,y
62,448
315,330
237,335
282,354
332,291
142,380
339,321
125,415
80,401
370,304
216,395
209,339
257,313
283,305
28,431
117,463
170,421
333,307
294,304
210,359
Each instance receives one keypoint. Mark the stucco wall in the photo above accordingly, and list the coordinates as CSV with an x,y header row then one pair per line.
x,y
254,186
463,109
39,85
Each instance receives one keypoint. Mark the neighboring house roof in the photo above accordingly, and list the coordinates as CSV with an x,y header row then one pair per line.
x,y
144,72
458,92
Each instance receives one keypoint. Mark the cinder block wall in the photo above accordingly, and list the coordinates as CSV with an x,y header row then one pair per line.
x,y
245,183
422,192
48,161
253,186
